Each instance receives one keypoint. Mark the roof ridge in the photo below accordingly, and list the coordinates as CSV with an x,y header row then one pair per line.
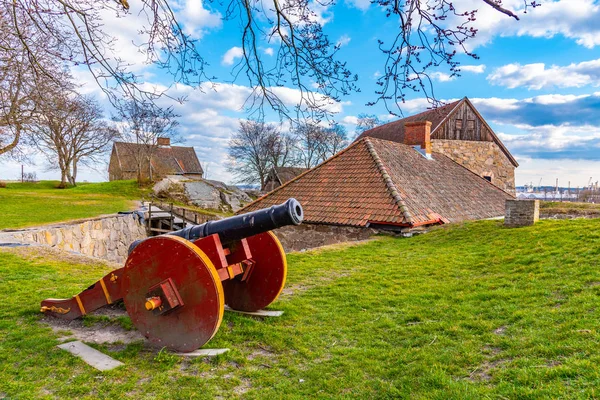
x,y
393,191
299,176
454,109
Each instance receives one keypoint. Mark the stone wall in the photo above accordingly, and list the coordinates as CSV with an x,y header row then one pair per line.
x,y
482,158
521,212
105,237
308,236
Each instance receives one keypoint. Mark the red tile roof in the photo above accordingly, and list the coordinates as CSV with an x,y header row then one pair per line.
x,y
381,182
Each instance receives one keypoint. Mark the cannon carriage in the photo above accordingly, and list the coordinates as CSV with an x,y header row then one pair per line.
x,y
175,286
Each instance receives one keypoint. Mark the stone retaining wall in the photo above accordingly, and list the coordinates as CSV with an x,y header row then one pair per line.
x,y
308,236
482,158
106,237
521,212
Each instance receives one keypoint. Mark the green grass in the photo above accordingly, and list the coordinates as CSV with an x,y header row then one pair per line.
x,y
568,206
465,312
30,204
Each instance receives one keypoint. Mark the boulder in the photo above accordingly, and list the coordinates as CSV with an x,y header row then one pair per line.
x,y
202,193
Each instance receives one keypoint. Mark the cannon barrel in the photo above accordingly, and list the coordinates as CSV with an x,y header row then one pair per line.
x,y
245,225
242,226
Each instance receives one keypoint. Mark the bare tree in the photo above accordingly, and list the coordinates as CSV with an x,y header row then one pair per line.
x,y
316,143
366,122
18,85
431,34
91,136
249,153
69,130
309,139
280,148
336,139
144,124
75,33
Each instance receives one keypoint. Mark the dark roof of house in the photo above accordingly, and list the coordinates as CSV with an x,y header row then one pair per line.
x,y
285,174
176,159
394,131
381,182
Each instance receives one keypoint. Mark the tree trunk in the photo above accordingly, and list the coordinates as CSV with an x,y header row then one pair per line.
x,y
14,143
74,174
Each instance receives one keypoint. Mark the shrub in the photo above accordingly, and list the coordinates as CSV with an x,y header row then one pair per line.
x,y
2,185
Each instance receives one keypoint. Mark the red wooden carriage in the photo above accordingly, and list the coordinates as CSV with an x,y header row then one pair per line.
x,y
175,286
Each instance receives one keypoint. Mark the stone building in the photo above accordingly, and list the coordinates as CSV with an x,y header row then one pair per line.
x,y
458,131
280,175
126,158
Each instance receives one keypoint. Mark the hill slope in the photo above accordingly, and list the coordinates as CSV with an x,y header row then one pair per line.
x,y
30,204
466,311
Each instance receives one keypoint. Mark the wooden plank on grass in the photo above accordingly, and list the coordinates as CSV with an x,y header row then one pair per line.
x,y
91,356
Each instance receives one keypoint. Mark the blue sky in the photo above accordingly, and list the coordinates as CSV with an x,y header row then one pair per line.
x,y
537,82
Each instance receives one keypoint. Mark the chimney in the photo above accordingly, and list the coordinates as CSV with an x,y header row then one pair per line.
x,y
163,141
418,134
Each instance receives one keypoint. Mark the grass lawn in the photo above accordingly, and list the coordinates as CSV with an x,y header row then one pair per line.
x,y
30,204
581,209
465,312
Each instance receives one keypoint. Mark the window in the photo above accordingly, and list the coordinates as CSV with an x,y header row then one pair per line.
x,y
471,129
488,178
457,128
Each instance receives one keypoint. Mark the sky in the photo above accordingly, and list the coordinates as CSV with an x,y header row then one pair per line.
x,y
536,82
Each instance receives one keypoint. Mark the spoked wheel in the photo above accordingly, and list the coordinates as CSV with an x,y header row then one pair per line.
x,y
173,293
266,280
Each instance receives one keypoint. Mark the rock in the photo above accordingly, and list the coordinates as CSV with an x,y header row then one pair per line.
x,y
203,193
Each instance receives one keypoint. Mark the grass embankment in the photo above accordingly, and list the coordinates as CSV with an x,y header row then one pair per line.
x,y
576,209
472,311
30,204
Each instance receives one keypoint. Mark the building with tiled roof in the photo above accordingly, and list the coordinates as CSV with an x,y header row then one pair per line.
x,y
166,160
460,132
379,183
280,175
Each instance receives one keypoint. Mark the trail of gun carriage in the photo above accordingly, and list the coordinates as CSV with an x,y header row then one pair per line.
x,y
263,201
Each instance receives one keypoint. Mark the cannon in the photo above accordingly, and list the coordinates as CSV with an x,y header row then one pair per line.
x,y
175,286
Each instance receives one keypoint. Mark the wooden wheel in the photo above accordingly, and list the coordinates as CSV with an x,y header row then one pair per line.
x,y
173,293
266,280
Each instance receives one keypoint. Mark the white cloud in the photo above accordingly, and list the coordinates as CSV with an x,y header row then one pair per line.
x,y
414,106
441,76
537,76
552,109
231,55
196,19
362,5
343,40
551,138
268,51
349,120
476,69
377,74
573,19
578,172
